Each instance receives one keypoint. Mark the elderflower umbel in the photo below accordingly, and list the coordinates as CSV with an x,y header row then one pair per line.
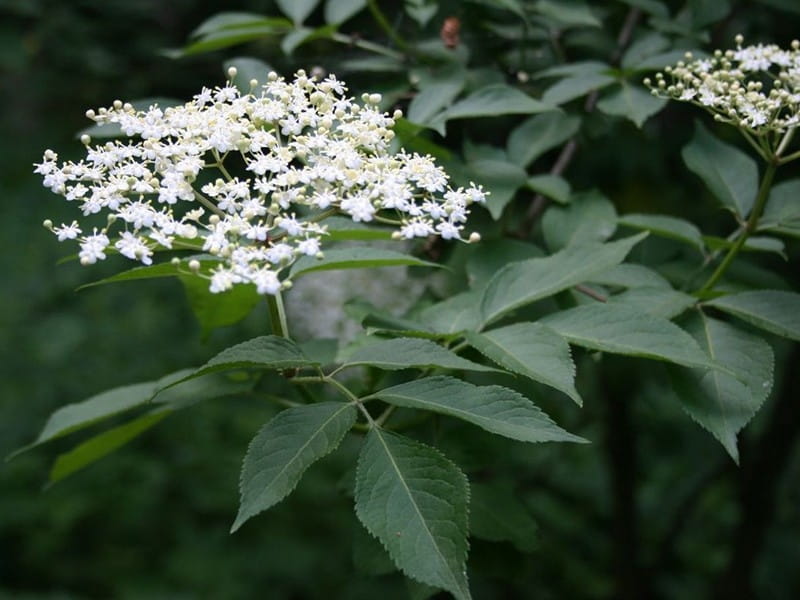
x,y
756,88
300,151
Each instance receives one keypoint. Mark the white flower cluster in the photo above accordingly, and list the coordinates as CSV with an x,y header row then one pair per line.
x,y
249,179
756,88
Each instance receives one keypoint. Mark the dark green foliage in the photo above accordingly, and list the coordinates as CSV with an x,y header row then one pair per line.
x,y
653,507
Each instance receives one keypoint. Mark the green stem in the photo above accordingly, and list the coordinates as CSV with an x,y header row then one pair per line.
x,y
381,420
790,158
220,166
353,398
749,227
384,24
208,204
277,315
787,138
366,45
756,146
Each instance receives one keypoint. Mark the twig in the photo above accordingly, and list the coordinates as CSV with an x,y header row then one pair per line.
x,y
591,293
539,202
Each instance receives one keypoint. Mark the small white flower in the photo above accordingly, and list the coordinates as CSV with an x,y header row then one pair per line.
x,y
222,280
750,87
306,148
67,232
266,282
93,248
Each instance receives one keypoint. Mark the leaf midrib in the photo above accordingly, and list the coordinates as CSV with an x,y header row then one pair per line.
x,y
402,480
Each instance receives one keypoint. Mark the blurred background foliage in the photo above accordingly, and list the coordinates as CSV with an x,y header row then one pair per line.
x,y
153,521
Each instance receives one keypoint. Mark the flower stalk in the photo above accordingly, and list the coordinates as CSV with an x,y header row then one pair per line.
x,y
747,230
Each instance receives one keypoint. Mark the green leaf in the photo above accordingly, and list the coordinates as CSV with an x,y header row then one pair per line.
x,y
265,352
361,257
218,310
668,227
524,282
501,179
406,353
223,38
303,35
297,10
103,444
111,403
570,13
165,269
344,228
771,310
659,301
490,101
284,448
414,500
535,136
620,329
514,6
632,102
575,69
375,319
720,403
706,12
79,415
754,243
783,208
649,44
491,255
589,217
458,313
496,515
579,78
652,7
440,89
339,11
247,69
729,173
494,408
197,389
422,11
167,399
532,350
552,186
233,20
630,275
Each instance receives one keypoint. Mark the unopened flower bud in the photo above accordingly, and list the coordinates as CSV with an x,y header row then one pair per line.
x,y
194,265
232,71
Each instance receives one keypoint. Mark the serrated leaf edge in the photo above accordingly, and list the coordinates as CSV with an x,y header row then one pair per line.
x,y
359,466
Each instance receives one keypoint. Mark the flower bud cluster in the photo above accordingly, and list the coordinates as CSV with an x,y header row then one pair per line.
x,y
250,178
756,88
